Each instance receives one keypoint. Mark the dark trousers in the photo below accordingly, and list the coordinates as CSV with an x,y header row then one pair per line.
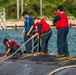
x,y
62,41
14,49
45,38
28,46
35,43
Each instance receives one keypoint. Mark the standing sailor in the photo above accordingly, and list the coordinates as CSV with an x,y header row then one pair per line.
x,y
27,24
61,22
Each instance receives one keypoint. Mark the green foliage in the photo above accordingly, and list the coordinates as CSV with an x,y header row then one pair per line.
x,y
11,11
70,7
3,2
33,7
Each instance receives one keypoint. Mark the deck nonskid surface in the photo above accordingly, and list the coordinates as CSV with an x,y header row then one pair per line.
x,y
31,65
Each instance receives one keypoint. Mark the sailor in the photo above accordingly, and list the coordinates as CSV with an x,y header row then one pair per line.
x,y
27,24
61,23
42,29
11,47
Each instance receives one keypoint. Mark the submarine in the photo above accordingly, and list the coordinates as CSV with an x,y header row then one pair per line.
x,y
37,65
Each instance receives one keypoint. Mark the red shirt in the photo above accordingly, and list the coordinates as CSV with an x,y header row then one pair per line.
x,y
45,26
11,44
63,22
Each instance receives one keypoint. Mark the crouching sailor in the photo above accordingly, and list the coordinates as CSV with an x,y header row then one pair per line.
x,y
11,47
44,30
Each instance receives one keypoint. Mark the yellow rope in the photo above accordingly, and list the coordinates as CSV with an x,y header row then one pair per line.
x,y
64,58
67,61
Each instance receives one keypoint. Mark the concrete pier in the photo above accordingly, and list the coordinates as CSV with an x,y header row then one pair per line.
x,y
20,24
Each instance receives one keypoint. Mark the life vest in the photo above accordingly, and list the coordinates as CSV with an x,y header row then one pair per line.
x,y
63,22
27,23
45,26
11,41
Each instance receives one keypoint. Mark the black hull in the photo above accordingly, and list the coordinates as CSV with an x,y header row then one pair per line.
x,y
35,65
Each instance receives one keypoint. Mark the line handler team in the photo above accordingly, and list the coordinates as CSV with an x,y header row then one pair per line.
x,y
39,28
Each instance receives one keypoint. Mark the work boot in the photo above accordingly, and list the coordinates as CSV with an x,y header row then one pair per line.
x,y
24,52
28,54
36,54
42,54
47,53
58,56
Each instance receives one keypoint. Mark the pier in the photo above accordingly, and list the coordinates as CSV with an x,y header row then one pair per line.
x,y
20,24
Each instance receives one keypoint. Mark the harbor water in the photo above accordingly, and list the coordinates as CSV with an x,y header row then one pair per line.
x,y
52,46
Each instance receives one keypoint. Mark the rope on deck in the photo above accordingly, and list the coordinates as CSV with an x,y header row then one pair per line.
x,y
59,69
28,55
3,59
65,62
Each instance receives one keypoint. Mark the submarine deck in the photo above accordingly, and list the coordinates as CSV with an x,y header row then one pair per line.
x,y
35,65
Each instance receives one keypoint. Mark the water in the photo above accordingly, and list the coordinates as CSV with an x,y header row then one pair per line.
x,y
16,35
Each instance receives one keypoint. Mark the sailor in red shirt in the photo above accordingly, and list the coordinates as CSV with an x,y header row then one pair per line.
x,y
11,47
61,23
42,29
